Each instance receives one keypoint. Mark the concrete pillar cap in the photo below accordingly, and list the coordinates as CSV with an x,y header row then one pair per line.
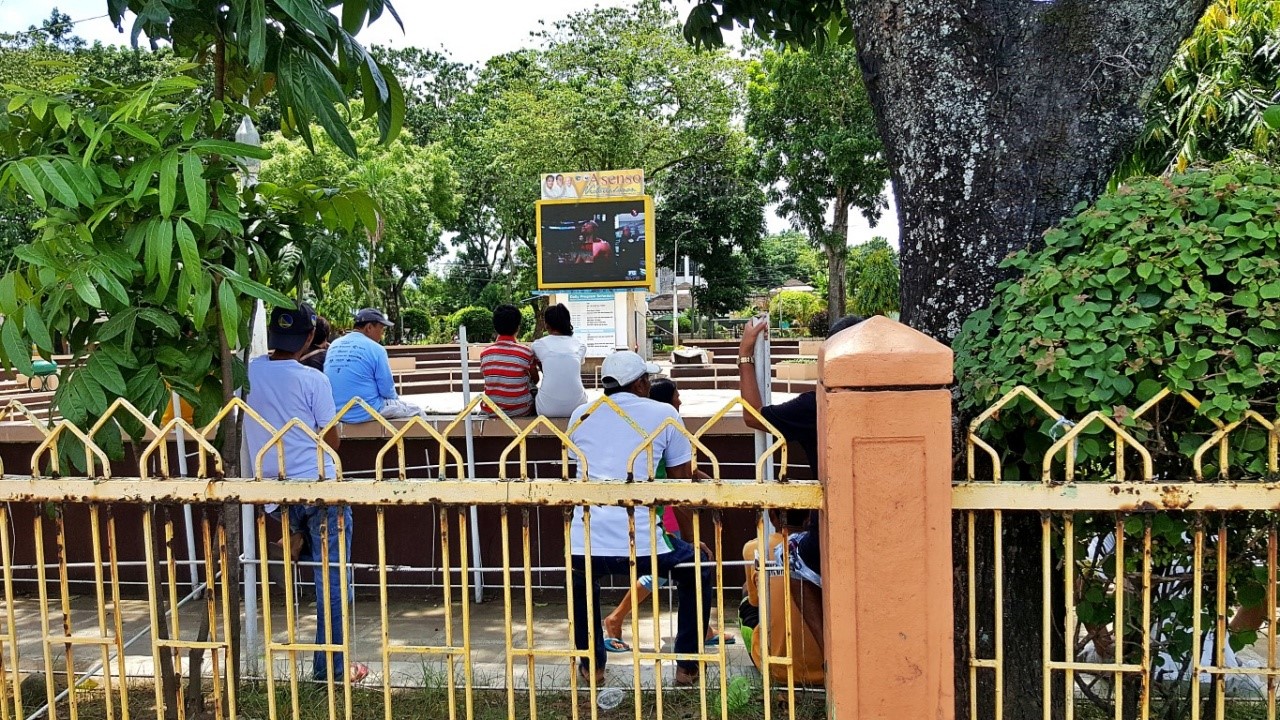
x,y
880,352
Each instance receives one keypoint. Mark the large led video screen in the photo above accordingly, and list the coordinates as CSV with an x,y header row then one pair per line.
x,y
595,243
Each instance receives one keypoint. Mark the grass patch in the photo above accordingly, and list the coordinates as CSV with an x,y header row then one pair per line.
x,y
368,703
1234,710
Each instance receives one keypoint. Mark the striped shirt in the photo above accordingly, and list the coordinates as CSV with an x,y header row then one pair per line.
x,y
505,365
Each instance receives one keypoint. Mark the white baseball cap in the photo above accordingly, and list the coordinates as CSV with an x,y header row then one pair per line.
x,y
623,368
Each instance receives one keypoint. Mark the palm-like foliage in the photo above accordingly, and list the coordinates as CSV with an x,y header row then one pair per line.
x,y
308,55
1213,98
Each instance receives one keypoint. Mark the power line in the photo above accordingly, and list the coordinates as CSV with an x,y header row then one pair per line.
x,y
33,30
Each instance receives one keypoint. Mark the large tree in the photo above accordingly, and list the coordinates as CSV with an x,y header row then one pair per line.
x,y
58,31
432,83
820,153
609,88
785,256
873,278
997,117
415,188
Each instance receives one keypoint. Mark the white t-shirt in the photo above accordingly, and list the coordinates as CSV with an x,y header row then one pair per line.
x,y
279,391
561,391
606,441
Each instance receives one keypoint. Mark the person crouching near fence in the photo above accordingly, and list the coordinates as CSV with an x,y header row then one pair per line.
x,y
797,421
602,439
805,651
280,390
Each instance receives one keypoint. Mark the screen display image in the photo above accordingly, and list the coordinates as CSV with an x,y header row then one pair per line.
x,y
586,244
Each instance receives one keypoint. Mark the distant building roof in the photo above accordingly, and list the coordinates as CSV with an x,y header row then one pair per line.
x,y
662,303
793,285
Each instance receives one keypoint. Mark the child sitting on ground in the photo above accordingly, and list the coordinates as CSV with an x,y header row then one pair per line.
x,y
806,647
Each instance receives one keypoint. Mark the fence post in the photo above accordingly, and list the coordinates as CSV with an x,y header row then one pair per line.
x,y
884,433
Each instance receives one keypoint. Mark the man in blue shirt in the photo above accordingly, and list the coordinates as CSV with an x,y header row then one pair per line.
x,y
357,366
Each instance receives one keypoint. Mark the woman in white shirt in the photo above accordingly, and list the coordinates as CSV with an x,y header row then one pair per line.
x,y
560,355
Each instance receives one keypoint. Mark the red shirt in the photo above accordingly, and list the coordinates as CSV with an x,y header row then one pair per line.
x,y
506,366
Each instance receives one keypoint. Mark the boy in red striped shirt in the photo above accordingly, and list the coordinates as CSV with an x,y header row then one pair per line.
x,y
510,373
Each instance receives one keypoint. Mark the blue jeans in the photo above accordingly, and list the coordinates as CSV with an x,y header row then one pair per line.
x,y
313,520
688,639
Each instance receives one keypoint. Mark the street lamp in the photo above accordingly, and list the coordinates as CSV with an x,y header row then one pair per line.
x,y
247,134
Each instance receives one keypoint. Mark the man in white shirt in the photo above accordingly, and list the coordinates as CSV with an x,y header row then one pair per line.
x,y
606,441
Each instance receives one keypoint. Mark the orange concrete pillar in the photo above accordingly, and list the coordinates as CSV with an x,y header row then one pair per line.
x,y
884,431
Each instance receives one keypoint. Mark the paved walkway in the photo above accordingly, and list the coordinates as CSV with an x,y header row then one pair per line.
x,y
423,623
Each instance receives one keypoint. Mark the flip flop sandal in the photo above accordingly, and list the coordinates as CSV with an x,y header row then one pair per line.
x,y
615,645
715,640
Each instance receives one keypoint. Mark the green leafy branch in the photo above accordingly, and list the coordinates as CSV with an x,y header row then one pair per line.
x,y
147,249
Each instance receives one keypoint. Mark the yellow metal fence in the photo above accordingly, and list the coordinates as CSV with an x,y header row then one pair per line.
x,y
112,651
1139,585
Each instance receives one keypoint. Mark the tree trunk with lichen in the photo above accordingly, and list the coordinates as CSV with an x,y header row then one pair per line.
x,y
836,246
229,449
998,117
837,265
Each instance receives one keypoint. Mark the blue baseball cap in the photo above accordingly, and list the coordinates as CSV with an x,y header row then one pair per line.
x,y
289,327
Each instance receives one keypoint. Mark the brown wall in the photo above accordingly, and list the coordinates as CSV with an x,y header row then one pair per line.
x,y
413,533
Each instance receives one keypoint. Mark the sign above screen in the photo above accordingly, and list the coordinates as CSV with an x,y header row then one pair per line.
x,y
594,185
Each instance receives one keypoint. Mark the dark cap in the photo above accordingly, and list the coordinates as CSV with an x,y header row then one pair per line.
x,y
371,315
289,327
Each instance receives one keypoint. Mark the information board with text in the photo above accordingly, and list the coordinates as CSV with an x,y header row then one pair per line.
x,y
594,320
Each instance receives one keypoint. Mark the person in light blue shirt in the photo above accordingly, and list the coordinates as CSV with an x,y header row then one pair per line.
x,y
357,366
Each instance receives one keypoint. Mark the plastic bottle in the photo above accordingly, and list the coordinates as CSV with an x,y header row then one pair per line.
x,y
609,698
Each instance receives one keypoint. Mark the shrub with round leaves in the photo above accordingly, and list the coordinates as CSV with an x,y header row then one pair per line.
x,y
796,306
417,323
1163,283
1166,282
477,320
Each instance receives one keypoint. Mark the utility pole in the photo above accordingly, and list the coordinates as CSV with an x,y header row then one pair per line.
x,y
675,295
